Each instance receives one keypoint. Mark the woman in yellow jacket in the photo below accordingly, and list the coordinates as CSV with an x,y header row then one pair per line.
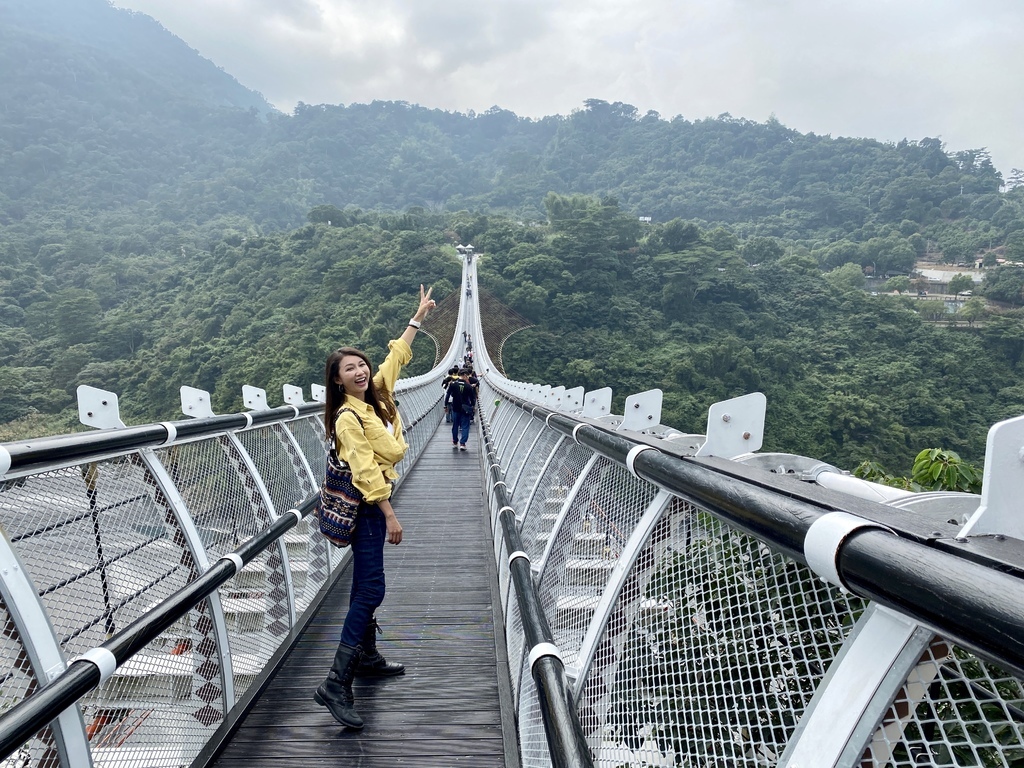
x,y
361,418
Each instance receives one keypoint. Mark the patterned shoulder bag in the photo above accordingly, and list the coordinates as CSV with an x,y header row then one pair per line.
x,y
339,499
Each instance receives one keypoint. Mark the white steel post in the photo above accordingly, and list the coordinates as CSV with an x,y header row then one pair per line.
x,y
44,653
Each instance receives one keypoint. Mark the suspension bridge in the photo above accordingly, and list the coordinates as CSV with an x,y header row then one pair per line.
x,y
581,588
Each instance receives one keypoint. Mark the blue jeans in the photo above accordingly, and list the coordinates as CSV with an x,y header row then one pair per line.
x,y
460,424
367,573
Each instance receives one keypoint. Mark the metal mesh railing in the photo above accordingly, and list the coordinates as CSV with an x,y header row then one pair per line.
x,y
709,647
728,643
19,682
954,710
104,540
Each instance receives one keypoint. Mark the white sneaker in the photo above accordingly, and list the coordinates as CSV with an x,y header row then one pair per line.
x,y
462,447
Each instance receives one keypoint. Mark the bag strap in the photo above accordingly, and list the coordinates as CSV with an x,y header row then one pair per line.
x,y
353,413
331,448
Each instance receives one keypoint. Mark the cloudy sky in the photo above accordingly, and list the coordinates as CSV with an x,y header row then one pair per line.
x,y
888,69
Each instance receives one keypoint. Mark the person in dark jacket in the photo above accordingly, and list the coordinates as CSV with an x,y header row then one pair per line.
x,y
474,382
453,375
460,399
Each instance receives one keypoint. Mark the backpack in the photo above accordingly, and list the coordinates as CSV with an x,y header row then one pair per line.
x,y
340,500
467,407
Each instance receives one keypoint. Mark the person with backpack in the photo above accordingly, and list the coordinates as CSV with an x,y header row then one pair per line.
x,y
453,375
460,398
474,382
363,424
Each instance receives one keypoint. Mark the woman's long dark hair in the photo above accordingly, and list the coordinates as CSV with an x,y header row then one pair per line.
x,y
381,400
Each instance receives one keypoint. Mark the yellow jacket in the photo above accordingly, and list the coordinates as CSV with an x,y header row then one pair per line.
x,y
370,449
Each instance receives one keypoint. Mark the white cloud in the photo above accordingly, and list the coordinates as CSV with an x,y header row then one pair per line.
x,y
876,68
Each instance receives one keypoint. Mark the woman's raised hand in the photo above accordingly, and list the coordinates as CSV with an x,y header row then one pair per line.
x,y
426,303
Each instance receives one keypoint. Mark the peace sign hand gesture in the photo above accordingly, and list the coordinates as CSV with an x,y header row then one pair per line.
x,y
426,303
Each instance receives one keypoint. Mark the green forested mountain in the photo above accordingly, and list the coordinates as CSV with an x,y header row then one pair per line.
x,y
160,226
96,29
104,109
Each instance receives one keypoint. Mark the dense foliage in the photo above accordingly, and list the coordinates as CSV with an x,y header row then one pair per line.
x,y
160,225
848,375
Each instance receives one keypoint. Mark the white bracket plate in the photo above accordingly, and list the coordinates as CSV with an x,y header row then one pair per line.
x,y
572,400
195,403
293,395
1001,483
597,403
554,398
98,408
319,392
735,426
255,399
643,410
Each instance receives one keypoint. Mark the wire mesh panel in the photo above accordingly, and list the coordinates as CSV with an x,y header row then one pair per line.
x,y
586,547
560,476
106,541
308,551
287,483
500,422
528,478
522,447
501,558
510,432
19,682
532,736
718,658
309,434
954,710
276,466
227,509
103,546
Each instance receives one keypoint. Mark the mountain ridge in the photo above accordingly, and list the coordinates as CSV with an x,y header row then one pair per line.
x,y
135,39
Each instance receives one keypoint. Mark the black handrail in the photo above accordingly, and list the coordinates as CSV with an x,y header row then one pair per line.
x,y
36,454
30,715
968,599
567,741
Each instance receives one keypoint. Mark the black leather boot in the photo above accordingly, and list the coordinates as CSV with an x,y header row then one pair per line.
x,y
335,692
371,663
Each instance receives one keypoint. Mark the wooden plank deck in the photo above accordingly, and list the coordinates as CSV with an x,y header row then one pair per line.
x,y
438,619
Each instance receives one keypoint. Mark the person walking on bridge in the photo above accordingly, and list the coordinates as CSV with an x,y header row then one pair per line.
x,y
460,399
362,420
453,375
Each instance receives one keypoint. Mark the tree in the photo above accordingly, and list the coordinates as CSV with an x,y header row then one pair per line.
x,y
900,284
849,275
678,235
957,247
328,214
761,250
1015,245
841,252
973,309
1005,283
931,309
936,469
960,283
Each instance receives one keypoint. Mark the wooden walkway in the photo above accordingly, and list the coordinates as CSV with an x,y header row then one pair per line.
x,y
438,619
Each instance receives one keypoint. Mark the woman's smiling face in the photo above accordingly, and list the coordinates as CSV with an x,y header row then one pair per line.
x,y
353,376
